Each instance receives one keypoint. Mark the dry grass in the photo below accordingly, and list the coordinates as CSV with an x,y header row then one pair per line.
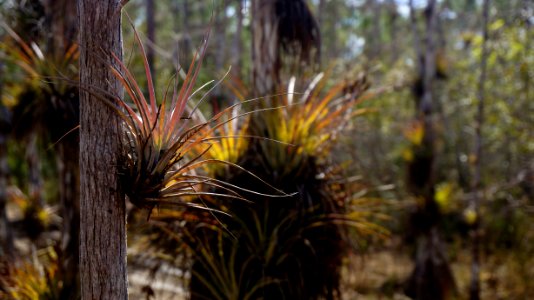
x,y
380,275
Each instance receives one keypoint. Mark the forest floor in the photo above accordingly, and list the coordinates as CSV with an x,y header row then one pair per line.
x,y
505,274
379,275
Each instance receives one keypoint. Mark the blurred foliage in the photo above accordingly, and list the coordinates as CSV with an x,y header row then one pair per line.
x,y
31,278
374,37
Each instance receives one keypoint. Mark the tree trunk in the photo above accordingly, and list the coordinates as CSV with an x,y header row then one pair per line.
x,y
375,38
432,277
393,15
35,182
264,47
220,37
6,237
238,41
474,289
102,204
220,41
69,193
60,16
185,43
150,34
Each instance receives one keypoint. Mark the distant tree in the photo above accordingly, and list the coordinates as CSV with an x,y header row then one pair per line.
x,y
6,236
60,16
150,32
264,47
474,289
237,47
102,225
432,277
278,27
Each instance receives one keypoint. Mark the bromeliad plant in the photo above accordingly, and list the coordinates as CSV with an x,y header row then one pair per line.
x,y
45,98
233,140
309,121
166,141
34,278
289,248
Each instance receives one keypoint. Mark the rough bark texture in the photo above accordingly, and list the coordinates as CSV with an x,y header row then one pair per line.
x,y
103,226
264,47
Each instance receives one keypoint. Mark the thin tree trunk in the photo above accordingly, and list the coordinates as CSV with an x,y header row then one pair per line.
x,y
320,12
376,40
474,289
175,9
6,237
60,15
416,40
393,30
35,182
220,38
62,19
150,34
69,178
238,40
103,224
264,47
186,40
431,277
321,6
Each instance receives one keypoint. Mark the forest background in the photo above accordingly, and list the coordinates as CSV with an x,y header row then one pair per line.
x,y
441,163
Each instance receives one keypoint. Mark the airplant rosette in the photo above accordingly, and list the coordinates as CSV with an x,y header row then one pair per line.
x,y
45,98
290,244
166,142
290,248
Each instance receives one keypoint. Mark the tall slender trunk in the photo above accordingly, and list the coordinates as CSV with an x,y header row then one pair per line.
x,y
62,18
6,237
321,6
220,55
474,289
376,40
393,30
264,47
69,185
238,40
220,38
431,277
35,182
150,34
186,48
102,205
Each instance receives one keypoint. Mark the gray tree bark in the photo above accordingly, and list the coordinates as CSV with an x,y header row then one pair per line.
x,y
237,49
102,204
264,47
